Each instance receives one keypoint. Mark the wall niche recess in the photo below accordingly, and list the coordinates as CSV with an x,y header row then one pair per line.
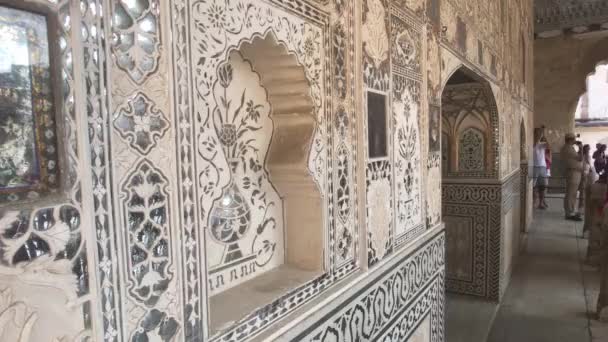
x,y
376,125
266,230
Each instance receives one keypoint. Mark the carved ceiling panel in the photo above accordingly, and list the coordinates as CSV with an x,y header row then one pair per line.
x,y
570,15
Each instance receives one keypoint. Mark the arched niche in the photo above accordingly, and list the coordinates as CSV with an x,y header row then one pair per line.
x,y
468,103
266,231
470,137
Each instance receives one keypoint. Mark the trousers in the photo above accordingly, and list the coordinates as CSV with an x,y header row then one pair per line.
x,y
573,181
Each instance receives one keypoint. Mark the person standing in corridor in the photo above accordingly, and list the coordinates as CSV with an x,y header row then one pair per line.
x,y
573,162
539,173
586,177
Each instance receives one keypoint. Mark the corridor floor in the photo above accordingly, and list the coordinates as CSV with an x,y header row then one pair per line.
x,y
552,293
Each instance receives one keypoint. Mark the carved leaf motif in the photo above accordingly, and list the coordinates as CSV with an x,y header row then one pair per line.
x,y
374,33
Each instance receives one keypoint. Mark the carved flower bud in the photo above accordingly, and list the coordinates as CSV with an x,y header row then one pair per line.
x,y
225,75
228,135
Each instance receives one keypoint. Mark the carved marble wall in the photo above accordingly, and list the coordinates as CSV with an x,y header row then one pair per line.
x,y
166,111
393,50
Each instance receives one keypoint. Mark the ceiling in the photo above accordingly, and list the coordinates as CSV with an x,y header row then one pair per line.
x,y
554,17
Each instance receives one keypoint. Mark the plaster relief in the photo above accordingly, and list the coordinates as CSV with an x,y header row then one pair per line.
x,y
375,46
140,123
379,210
433,189
407,155
471,151
406,44
246,222
147,216
374,32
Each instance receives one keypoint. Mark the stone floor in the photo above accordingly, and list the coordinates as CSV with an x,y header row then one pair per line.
x,y
552,293
468,319
551,297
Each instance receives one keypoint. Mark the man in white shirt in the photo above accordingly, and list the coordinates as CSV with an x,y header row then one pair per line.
x,y
539,172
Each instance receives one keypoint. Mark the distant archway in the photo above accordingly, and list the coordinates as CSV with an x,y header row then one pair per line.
x,y
467,102
471,163
591,114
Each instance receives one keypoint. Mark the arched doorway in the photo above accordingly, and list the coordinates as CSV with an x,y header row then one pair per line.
x,y
471,200
591,114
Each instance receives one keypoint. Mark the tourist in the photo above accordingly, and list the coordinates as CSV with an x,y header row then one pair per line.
x,y
586,176
539,172
599,157
548,157
573,162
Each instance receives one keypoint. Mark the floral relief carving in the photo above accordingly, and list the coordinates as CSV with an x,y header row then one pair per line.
x,y
339,50
433,188
379,210
136,37
374,32
406,44
379,217
471,150
211,31
146,207
246,222
224,25
140,123
407,154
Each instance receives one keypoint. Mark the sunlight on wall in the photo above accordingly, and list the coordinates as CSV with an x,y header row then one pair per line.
x,y
594,103
592,110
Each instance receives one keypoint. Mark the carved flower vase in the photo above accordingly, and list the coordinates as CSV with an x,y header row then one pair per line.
x,y
230,219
